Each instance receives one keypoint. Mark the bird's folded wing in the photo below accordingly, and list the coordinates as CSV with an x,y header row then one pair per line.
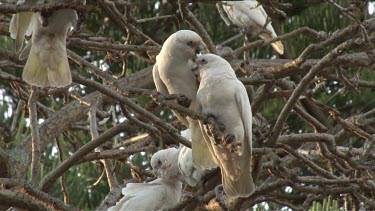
x,y
144,196
246,116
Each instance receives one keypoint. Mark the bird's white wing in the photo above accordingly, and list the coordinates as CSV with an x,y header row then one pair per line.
x,y
162,88
19,26
142,196
259,16
159,84
243,185
254,13
278,45
246,115
185,161
189,174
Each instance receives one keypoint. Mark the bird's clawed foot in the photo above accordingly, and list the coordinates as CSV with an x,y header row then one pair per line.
x,y
234,28
214,128
184,101
231,143
219,195
210,119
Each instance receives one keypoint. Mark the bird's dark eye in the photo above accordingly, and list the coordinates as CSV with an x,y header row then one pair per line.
x,y
190,44
204,61
159,162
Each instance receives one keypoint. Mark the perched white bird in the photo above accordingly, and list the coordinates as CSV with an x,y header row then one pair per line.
x,y
159,194
47,64
172,75
251,17
189,174
222,96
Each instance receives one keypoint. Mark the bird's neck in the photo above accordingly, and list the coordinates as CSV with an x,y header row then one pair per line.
x,y
214,79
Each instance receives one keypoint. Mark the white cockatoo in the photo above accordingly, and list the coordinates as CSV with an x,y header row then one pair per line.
x,y
47,64
223,97
172,75
251,17
158,194
189,174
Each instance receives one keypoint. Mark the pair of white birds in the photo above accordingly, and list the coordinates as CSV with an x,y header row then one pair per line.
x,y
47,64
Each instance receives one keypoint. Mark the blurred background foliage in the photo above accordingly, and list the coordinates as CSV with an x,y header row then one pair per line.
x,y
80,179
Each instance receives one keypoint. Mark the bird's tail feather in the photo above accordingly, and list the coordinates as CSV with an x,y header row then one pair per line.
x,y
278,45
38,73
243,187
202,158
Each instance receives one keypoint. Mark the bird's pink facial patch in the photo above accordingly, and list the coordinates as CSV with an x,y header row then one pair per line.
x,y
199,63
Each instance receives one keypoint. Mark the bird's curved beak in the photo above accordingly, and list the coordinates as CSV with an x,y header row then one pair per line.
x,y
195,70
155,172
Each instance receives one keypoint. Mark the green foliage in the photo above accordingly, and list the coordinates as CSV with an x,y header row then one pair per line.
x,y
328,204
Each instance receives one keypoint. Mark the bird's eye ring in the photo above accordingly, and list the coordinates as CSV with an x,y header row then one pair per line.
x,y
204,61
190,44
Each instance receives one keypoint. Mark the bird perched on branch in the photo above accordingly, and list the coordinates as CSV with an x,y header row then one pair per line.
x,y
47,64
172,75
159,194
223,97
189,174
252,19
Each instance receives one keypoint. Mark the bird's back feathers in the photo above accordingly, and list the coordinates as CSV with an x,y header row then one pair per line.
x,y
156,195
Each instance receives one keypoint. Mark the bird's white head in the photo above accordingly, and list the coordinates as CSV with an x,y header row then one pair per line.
x,y
186,43
211,64
164,164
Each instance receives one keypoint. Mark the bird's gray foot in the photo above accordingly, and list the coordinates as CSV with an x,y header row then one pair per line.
x,y
231,143
212,128
184,101
234,28
210,118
